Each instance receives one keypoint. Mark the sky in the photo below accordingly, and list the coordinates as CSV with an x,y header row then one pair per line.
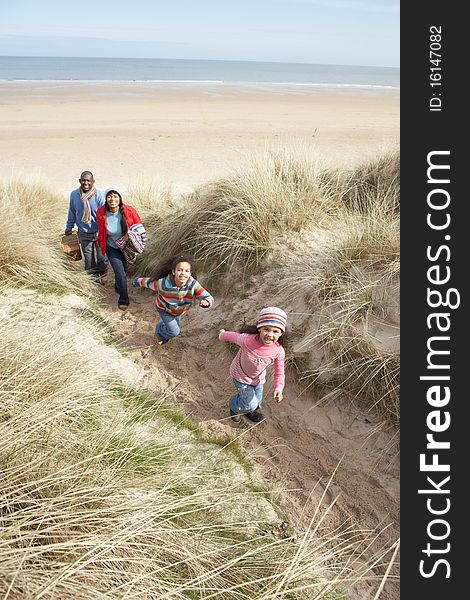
x,y
345,32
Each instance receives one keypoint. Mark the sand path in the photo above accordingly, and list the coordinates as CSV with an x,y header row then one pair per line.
x,y
299,445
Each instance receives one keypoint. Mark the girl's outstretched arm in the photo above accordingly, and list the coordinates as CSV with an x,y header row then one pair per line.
x,y
230,336
279,377
206,300
147,282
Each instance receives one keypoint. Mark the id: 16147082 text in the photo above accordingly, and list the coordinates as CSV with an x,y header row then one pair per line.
x,y
435,69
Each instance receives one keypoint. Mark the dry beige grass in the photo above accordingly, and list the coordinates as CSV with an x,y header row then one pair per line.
x,y
374,184
32,220
235,222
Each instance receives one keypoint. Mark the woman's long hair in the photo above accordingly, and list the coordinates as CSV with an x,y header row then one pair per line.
x,y
170,265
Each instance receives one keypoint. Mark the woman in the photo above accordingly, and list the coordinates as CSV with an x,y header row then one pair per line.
x,y
114,219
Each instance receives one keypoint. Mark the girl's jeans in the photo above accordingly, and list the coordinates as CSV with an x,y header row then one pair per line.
x,y
247,399
119,265
168,327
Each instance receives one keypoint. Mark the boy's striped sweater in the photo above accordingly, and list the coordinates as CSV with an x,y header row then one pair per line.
x,y
172,299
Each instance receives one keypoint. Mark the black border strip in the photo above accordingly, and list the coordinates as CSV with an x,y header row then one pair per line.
x,y
434,137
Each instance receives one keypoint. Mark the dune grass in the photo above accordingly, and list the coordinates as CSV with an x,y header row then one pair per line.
x,y
340,270
344,232
374,184
236,221
153,201
32,220
356,368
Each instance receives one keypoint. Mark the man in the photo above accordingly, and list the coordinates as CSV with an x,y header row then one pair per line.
x,y
84,202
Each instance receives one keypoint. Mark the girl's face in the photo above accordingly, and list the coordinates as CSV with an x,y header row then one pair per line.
x,y
268,335
181,273
112,200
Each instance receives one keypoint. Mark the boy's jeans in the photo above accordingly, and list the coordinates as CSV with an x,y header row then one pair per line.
x,y
248,397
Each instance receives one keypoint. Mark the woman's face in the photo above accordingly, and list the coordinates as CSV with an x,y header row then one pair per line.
x,y
181,273
112,200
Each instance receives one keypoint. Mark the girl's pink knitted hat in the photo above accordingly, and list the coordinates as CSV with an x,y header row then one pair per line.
x,y
272,316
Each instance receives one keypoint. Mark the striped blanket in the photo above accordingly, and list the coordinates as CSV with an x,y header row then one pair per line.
x,y
134,244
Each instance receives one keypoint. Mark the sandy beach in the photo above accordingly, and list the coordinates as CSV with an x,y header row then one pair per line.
x,y
181,135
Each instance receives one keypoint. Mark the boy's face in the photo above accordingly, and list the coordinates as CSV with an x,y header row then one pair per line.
x,y
181,273
268,335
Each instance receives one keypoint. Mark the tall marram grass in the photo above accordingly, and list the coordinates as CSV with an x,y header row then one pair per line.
x,y
236,221
153,200
98,502
374,184
32,219
355,366
94,503
344,229
346,275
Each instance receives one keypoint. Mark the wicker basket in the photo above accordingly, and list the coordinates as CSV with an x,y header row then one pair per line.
x,y
71,246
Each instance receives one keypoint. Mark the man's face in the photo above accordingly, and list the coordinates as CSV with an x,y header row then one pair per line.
x,y
86,182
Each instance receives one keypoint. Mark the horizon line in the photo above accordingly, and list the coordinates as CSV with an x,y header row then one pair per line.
x,y
204,59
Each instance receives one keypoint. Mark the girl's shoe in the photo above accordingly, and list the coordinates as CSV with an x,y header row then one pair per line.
x,y
122,306
254,416
160,341
236,418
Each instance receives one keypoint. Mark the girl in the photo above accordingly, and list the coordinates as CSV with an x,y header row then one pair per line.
x,y
114,219
176,288
260,345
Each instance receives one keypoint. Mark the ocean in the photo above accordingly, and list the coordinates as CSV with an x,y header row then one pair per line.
x,y
156,70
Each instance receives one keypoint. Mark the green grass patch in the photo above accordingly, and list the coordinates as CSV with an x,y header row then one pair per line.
x,y
232,445
52,289
124,452
145,406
